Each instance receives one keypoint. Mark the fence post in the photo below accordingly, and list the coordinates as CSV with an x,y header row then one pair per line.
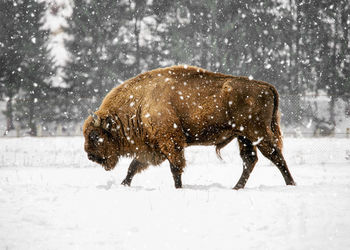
x,y
347,132
39,130
78,129
18,130
317,132
59,130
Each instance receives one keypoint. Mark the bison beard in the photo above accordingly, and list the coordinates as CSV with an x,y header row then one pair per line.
x,y
155,115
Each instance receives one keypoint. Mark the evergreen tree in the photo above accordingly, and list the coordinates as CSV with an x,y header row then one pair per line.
x,y
323,47
344,55
26,64
33,105
11,56
97,57
236,37
107,47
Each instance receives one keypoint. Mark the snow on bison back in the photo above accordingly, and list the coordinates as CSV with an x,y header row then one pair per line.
x,y
155,115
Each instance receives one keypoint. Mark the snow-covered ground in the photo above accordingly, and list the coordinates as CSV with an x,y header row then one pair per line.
x,y
52,197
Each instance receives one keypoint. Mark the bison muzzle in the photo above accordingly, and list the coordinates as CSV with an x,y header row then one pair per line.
x,y
155,115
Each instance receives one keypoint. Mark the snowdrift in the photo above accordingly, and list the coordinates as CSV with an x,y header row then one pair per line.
x,y
52,197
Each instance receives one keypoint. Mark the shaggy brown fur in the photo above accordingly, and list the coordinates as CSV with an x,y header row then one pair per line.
x,y
155,115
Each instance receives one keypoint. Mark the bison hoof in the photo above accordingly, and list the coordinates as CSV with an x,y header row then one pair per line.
x,y
126,183
178,184
238,187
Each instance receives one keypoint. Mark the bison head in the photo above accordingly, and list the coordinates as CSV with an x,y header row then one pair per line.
x,y
100,145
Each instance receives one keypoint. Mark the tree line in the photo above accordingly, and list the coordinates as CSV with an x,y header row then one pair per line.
x,y
300,46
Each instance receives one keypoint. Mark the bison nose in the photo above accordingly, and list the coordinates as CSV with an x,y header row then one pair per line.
x,y
91,157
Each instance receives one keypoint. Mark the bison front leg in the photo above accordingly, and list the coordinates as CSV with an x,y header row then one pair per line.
x,y
135,167
177,164
177,172
176,157
249,157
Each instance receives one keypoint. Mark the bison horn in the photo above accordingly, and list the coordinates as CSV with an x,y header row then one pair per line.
x,y
97,120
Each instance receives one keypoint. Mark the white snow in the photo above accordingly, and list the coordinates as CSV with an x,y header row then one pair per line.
x,y
258,141
52,197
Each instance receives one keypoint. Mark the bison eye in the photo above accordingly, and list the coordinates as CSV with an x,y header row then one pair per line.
x,y
93,136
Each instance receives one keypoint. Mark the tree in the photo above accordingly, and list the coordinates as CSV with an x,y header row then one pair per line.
x,y
344,55
97,56
32,104
108,46
11,56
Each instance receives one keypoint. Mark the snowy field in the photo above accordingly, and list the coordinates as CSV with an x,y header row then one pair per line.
x,y
52,197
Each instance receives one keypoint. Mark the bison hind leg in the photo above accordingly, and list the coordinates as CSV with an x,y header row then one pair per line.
x,y
249,157
273,151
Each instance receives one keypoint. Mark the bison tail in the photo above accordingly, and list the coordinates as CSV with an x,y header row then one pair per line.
x,y
222,145
275,123
218,152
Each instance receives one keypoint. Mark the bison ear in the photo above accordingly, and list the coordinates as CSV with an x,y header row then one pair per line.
x,y
227,86
96,119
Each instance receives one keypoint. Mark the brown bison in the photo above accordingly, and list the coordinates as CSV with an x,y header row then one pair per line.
x,y
155,115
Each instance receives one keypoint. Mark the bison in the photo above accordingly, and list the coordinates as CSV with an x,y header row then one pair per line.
x,y
154,116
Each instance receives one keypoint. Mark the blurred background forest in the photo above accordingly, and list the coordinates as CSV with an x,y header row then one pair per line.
x,y
59,58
